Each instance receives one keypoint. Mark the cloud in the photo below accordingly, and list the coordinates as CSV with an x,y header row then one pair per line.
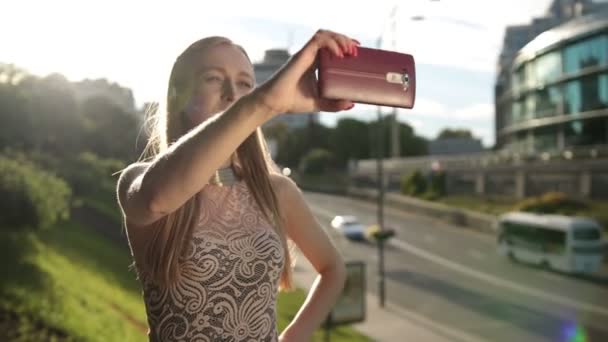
x,y
437,110
419,125
479,111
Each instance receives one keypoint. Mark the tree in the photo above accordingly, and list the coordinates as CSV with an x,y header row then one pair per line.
x,y
110,131
455,133
316,161
411,144
54,116
350,140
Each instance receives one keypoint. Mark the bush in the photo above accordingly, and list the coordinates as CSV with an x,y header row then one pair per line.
x,y
413,184
430,196
316,161
437,184
89,174
552,203
31,197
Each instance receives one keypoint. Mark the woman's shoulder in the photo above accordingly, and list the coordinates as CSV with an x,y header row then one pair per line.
x,y
283,185
135,168
129,173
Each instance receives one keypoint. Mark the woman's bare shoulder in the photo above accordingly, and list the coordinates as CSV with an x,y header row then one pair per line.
x,y
131,172
284,186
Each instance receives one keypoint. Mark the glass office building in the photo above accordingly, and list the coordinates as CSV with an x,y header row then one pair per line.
x,y
556,94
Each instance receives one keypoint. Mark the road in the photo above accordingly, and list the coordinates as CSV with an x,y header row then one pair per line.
x,y
453,278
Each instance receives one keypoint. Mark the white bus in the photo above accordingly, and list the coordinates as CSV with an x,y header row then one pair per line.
x,y
564,243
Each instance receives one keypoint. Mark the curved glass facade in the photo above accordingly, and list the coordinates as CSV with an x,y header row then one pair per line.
x,y
557,98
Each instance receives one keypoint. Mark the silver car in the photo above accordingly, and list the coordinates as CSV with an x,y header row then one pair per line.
x,y
349,226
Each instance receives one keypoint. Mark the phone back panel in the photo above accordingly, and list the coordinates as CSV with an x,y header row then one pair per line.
x,y
377,77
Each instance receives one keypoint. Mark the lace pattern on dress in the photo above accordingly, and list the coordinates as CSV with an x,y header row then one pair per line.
x,y
228,278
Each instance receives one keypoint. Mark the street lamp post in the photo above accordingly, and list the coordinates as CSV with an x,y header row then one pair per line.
x,y
395,145
380,184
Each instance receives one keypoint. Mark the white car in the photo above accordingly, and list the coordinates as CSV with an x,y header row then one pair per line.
x,y
349,226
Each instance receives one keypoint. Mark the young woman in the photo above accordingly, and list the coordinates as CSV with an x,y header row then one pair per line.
x,y
209,217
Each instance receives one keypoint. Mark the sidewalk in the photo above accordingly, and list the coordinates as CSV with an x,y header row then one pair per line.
x,y
391,323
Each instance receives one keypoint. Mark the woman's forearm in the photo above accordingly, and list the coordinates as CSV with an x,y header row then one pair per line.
x,y
313,312
179,173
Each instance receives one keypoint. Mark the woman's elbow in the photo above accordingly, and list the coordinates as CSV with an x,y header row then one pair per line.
x,y
336,272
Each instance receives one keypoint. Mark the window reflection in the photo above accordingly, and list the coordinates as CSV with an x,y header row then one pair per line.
x,y
530,74
586,132
587,93
545,138
548,102
517,112
588,53
518,80
548,67
530,106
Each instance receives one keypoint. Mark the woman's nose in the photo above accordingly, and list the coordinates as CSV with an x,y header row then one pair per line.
x,y
229,93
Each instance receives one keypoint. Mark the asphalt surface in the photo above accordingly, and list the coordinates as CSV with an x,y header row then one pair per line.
x,y
454,278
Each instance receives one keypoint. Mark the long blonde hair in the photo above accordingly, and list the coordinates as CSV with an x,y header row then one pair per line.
x,y
253,163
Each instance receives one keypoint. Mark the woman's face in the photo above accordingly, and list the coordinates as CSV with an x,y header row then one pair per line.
x,y
223,74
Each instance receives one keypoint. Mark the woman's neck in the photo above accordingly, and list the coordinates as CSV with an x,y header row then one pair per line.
x,y
226,164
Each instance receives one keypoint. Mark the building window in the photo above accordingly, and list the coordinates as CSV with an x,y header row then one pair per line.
x,y
530,74
586,132
545,138
548,102
523,143
517,142
586,94
530,107
548,67
517,112
588,53
506,115
518,80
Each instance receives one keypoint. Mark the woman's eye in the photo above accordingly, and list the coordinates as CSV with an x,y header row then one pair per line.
x,y
213,78
246,84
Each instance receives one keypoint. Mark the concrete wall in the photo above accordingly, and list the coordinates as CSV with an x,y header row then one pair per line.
x,y
461,217
491,174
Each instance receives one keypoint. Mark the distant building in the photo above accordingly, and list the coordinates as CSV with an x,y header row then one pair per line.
x,y
453,146
274,59
552,87
559,12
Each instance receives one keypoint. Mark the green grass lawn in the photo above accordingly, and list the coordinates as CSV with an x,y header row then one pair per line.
x,y
289,303
68,283
72,281
488,205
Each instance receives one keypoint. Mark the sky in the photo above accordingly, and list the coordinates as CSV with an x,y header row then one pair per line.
x,y
134,43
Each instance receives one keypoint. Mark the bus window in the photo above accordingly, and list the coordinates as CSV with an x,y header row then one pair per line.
x,y
554,241
523,236
586,234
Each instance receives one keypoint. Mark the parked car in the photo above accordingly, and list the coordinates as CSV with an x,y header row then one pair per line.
x,y
349,226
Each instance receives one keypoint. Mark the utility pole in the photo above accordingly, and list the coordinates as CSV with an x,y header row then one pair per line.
x,y
395,138
380,183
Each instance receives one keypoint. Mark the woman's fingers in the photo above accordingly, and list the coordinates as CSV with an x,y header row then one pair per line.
x,y
339,44
335,48
347,45
327,105
294,88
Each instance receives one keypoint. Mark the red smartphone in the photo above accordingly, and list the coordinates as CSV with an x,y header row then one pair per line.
x,y
377,77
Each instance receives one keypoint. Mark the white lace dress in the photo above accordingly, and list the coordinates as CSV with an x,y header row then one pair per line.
x,y
229,275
